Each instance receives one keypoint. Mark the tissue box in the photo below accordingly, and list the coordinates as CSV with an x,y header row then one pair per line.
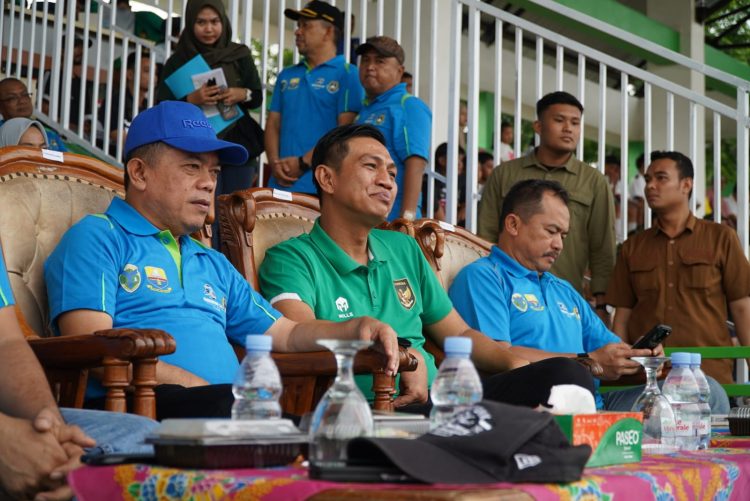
x,y
614,437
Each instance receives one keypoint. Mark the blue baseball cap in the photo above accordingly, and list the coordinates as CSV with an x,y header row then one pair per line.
x,y
183,126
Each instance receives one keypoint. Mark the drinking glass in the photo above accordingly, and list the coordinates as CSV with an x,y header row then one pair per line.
x,y
658,416
343,413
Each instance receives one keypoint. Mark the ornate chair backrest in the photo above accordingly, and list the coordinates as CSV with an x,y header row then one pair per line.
x,y
252,221
42,194
448,248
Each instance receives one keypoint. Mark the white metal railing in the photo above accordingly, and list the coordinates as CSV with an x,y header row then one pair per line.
x,y
468,83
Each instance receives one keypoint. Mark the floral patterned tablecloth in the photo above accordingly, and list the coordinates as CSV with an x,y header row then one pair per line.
x,y
718,474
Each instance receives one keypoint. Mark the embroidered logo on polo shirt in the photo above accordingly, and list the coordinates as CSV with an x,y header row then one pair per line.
x,y
380,119
534,303
130,278
209,296
519,302
343,306
405,293
293,83
157,279
283,85
333,86
568,313
319,83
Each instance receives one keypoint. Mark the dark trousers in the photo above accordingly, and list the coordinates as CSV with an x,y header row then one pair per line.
x,y
175,401
528,386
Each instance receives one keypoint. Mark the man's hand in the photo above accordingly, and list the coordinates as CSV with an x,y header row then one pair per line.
x,y
384,337
206,94
413,387
32,463
286,170
614,358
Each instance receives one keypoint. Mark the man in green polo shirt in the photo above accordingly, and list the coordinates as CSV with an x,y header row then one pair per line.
x,y
591,241
344,268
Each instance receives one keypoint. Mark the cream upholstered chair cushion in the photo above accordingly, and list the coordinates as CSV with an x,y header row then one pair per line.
x,y
39,200
448,248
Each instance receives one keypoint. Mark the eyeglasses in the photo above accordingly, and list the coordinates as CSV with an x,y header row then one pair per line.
x,y
14,98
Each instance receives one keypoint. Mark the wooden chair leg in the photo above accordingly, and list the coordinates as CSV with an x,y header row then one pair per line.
x,y
115,381
144,380
384,388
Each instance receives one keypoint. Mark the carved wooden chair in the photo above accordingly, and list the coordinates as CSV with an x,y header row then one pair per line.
x,y
448,248
40,198
252,221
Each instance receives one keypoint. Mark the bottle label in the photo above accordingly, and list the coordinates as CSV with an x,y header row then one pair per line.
x,y
704,427
667,427
683,428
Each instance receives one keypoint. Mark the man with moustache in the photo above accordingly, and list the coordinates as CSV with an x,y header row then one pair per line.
x,y
591,242
311,97
345,268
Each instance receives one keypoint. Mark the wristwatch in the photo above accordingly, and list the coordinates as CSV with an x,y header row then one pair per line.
x,y
303,166
248,95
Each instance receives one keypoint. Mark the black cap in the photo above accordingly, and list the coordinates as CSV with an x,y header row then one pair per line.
x,y
318,10
489,442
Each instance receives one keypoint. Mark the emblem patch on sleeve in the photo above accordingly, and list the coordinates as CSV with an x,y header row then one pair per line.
x,y
405,293
130,278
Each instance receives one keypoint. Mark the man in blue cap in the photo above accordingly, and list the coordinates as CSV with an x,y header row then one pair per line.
x,y
136,266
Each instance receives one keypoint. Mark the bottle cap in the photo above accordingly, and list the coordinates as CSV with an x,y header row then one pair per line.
x,y
695,359
258,342
457,345
681,358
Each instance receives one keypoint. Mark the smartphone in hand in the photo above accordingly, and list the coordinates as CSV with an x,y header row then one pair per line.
x,y
653,338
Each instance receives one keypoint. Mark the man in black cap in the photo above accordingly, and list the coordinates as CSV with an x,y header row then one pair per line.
x,y
404,120
311,97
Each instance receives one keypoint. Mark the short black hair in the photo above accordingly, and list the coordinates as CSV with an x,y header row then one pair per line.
x,y
442,151
147,153
505,125
130,64
639,161
525,198
684,164
611,159
559,97
333,147
406,74
483,156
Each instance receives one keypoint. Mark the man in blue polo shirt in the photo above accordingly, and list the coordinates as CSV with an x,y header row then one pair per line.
x,y
404,120
511,296
311,97
136,266
37,447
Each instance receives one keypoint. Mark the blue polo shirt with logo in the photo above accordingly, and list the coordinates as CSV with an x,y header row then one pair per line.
x,y
121,264
6,294
310,101
406,123
508,302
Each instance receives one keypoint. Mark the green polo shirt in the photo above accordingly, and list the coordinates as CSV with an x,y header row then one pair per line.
x,y
396,286
590,244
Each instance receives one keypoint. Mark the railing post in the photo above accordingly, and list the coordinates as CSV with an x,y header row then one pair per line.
x,y
454,91
743,110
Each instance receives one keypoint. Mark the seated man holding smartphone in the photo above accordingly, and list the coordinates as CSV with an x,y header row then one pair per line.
x,y
512,297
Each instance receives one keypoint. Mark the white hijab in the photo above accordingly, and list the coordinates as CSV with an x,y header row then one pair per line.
x,y
12,131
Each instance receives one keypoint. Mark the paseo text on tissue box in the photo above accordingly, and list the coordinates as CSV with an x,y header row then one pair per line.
x,y
614,437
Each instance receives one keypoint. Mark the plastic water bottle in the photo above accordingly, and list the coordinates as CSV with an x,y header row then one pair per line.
x,y
704,392
681,390
457,385
257,387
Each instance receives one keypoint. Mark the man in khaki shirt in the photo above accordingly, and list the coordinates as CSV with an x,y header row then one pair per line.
x,y
591,241
683,272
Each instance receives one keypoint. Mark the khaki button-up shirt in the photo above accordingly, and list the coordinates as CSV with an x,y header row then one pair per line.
x,y
591,240
685,282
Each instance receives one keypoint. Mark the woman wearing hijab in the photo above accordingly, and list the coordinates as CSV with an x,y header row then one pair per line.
x,y
23,132
208,33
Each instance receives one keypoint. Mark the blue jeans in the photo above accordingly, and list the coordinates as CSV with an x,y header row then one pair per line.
x,y
623,400
114,432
